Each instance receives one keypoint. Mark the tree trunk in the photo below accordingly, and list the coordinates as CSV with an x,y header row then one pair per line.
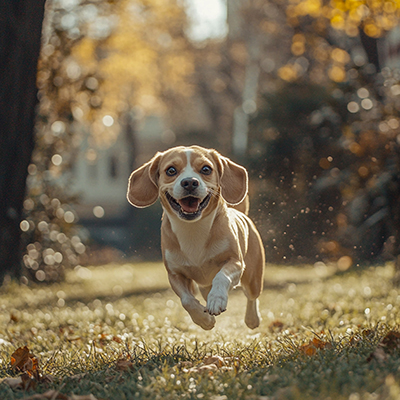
x,y
249,97
370,46
20,39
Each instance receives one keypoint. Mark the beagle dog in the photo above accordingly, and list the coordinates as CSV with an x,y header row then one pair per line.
x,y
206,236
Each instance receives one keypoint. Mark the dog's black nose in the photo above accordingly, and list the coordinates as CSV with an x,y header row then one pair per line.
x,y
190,184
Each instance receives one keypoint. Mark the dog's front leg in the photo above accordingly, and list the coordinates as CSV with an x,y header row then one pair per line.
x,y
183,287
227,278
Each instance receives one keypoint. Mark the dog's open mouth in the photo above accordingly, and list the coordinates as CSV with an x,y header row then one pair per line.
x,y
189,207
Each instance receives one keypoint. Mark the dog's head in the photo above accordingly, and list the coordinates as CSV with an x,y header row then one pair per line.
x,y
189,181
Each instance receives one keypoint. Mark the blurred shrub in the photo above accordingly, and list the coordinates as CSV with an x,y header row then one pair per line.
x,y
329,158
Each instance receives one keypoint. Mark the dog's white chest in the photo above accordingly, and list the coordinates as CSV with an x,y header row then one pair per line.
x,y
192,254
193,261
194,247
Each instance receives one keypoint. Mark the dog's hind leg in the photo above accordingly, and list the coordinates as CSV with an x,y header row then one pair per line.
x,y
252,290
252,317
252,283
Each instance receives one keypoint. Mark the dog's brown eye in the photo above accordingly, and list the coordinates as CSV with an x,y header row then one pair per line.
x,y
171,171
206,170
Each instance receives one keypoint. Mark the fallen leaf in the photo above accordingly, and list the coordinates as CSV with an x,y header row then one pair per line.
x,y
13,318
54,395
28,381
117,339
21,359
13,383
49,395
312,346
184,365
216,360
210,367
23,382
320,344
276,326
123,364
387,345
308,349
391,341
211,364
378,354
78,377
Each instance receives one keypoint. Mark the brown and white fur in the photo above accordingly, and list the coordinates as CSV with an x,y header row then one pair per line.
x,y
205,236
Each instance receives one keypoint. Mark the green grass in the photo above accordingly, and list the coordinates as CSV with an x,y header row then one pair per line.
x,y
79,330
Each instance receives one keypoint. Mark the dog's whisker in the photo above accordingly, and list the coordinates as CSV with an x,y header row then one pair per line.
x,y
213,192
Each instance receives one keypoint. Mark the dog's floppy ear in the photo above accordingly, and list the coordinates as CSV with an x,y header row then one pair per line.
x,y
142,186
233,180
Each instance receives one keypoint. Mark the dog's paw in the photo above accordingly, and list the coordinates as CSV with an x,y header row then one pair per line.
x,y
253,321
208,323
216,302
252,317
200,316
205,320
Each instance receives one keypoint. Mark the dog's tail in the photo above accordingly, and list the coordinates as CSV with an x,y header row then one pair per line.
x,y
243,206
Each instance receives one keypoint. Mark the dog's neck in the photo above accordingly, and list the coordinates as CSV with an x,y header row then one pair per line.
x,y
196,230
192,237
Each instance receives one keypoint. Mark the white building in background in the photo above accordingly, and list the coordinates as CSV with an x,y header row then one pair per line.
x,y
100,175
100,179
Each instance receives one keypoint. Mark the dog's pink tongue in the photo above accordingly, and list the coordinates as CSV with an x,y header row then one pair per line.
x,y
189,204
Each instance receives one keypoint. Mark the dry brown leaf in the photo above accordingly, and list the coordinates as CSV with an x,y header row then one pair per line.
x,y
204,368
28,381
185,365
117,339
391,341
310,348
378,354
216,360
13,318
387,345
54,395
49,395
213,363
78,377
276,326
23,382
13,383
21,359
210,367
123,364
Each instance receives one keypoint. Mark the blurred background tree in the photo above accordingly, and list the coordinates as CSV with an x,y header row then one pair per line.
x,y
100,62
322,130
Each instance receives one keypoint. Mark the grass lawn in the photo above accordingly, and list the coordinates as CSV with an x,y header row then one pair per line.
x,y
119,332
